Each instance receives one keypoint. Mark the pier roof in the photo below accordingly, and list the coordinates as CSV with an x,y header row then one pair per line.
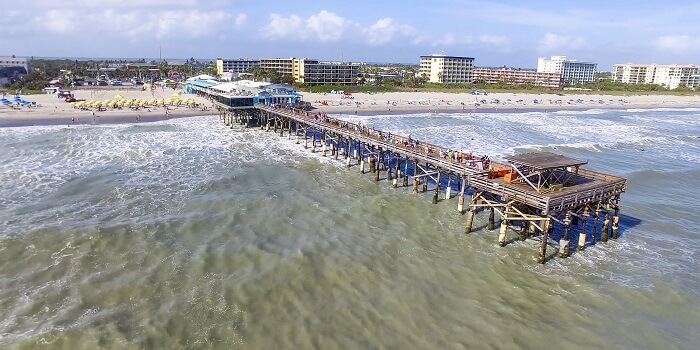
x,y
544,160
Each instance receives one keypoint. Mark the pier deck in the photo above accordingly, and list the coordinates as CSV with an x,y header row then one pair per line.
x,y
535,190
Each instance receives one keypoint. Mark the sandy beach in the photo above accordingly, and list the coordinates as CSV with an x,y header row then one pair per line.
x,y
406,102
50,110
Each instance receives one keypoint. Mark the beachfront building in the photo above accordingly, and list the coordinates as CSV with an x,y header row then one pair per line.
x,y
10,75
314,72
302,70
235,65
668,75
516,76
447,69
13,61
572,72
243,94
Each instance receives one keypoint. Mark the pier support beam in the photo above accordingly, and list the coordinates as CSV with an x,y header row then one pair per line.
x,y
564,242
582,235
523,231
596,218
437,188
491,220
606,226
504,229
471,213
542,256
448,189
615,220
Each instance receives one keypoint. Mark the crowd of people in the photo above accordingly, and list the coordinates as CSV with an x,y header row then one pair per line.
x,y
469,159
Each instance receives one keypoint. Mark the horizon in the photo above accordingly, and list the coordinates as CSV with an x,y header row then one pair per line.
x,y
498,33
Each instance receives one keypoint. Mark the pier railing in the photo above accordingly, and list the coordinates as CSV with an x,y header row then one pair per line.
x,y
423,151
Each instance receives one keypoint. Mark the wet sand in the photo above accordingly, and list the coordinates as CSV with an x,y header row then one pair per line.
x,y
53,111
50,110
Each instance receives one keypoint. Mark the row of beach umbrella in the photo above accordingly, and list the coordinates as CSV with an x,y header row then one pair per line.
x,y
120,101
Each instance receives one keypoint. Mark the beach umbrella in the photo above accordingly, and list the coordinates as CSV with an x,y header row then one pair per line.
x,y
119,97
175,95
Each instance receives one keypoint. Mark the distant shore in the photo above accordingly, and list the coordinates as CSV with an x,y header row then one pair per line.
x,y
421,102
53,111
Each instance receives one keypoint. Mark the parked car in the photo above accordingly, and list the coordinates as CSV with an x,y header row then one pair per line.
x,y
102,83
115,82
136,81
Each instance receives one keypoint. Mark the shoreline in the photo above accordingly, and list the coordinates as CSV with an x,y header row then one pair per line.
x,y
53,111
120,118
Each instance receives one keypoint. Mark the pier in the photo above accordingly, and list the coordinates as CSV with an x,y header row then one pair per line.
x,y
529,194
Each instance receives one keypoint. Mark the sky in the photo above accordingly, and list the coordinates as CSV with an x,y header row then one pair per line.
x,y
495,33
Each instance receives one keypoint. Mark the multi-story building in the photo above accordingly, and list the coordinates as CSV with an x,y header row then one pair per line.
x,y
313,72
12,61
303,70
572,71
234,66
516,76
447,69
669,75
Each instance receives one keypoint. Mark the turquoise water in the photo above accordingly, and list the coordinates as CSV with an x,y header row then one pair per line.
x,y
186,234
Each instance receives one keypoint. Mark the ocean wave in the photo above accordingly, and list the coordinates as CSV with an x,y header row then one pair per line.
x,y
661,109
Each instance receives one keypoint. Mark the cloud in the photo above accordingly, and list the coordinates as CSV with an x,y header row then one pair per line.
x,y
241,19
446,39
279,27
552,42
112,19
327,26
384,31
677,43
494,40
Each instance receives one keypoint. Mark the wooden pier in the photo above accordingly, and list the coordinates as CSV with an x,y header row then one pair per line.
x,y
531,192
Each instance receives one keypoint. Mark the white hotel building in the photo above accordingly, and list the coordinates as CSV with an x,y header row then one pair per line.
x,y
447,69
668,75
572,71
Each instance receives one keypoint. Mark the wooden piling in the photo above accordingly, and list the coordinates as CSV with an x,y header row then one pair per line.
x,y
504,228
615,220
582,235
542,256
564,242
606,227
491,220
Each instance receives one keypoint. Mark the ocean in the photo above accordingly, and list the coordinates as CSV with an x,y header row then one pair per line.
x,y
186,234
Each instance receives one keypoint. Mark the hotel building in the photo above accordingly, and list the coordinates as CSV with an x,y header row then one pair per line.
x,y
572,71
234,66
447,69
313,72
668,75
12,61
516,76
303,70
